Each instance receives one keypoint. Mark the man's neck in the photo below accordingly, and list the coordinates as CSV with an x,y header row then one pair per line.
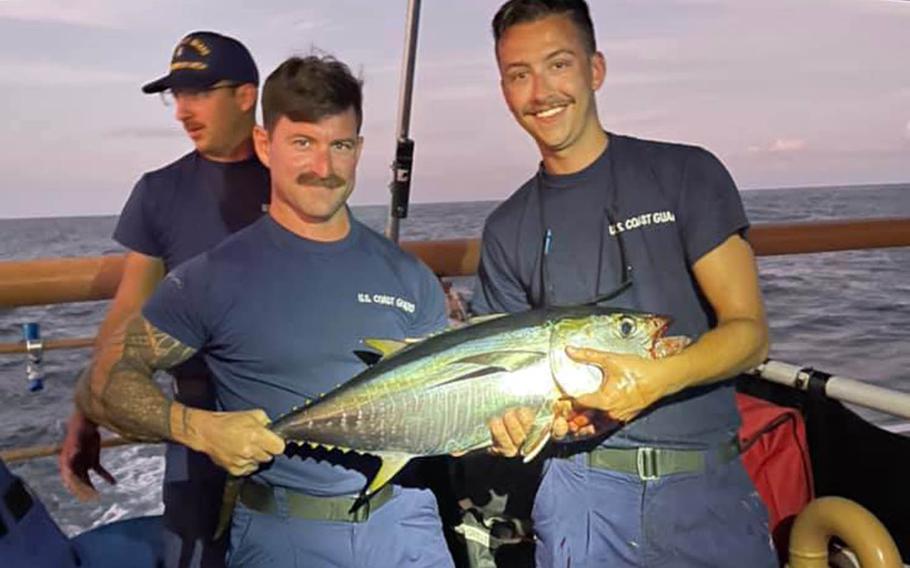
x,y
237,153
328,230
579,156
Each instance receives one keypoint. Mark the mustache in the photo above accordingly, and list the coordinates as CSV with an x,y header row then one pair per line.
x,y
546,104
332,181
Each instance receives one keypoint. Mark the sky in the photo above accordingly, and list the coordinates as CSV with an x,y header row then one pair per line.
x,y
787,93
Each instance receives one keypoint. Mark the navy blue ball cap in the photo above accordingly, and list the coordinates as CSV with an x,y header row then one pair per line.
x,y
202,59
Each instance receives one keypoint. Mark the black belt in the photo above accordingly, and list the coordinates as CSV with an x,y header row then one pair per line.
x,y
262,498
653,463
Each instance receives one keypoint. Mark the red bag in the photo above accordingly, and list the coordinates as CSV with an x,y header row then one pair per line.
x,y
776,455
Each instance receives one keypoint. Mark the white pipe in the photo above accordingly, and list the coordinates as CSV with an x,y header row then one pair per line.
x,y
839,388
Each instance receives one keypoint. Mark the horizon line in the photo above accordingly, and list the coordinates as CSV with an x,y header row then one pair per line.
x,y
866,186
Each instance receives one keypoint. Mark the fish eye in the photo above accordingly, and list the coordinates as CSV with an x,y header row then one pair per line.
x,y
626,326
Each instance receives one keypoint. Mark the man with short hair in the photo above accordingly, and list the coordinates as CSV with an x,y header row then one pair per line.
x,y
278,312
642,225
173,214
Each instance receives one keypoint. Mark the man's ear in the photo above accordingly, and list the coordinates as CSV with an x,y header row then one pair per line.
x,y
359,147
246,95
261,144
598,70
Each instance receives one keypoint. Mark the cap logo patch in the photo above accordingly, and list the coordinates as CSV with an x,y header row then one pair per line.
x,y
194,65
196,44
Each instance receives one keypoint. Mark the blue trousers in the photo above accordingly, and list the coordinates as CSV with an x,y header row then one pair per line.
x,y
193,488
587,517
404,532
190,519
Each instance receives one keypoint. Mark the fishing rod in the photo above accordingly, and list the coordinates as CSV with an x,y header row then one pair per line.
x,y
400,186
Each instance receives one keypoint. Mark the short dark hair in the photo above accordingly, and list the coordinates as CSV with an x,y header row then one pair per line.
x,y
516,12
308,89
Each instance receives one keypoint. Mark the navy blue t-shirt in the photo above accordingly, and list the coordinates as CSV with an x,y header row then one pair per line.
x,y
661,207
191,205
278,319
175,213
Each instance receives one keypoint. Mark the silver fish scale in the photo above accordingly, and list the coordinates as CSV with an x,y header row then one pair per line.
x,y
437,396
401,410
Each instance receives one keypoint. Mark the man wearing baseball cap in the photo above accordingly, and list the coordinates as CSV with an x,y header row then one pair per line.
x,y
203,59
173,214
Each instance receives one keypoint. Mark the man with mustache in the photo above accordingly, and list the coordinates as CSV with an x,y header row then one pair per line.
x,y
173,214
279,311
643,225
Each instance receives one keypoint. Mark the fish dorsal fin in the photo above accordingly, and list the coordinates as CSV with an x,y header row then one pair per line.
x,y
487,317
505,360
386,346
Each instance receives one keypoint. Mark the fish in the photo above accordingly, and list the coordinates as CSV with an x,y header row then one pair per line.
x,y
435,396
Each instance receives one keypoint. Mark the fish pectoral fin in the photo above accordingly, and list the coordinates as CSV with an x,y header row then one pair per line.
x,y
505,360
487,317
392,463
537,438
476,374
386,346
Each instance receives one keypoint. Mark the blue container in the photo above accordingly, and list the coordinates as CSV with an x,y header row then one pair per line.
x,y
31,333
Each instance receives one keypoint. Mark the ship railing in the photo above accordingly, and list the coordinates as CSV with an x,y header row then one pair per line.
x,y
64,280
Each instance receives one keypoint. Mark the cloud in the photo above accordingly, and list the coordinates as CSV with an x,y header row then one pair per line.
x,y
780,146
146,133
626,119
478,60
463,92
788,145
907,130
86,13
300,20
59,74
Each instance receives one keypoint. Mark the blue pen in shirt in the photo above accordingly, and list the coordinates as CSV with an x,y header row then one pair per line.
x,y
548,238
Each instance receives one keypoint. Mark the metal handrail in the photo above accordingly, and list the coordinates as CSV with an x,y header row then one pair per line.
x,y
69,343
34,452
59,280
82,279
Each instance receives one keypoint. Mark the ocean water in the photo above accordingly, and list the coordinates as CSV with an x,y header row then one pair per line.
x,y
844,312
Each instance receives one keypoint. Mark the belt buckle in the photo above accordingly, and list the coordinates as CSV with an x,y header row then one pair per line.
x,y
646,462
362,513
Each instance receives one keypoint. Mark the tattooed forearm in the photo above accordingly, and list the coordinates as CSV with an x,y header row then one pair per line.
x,y
122,380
